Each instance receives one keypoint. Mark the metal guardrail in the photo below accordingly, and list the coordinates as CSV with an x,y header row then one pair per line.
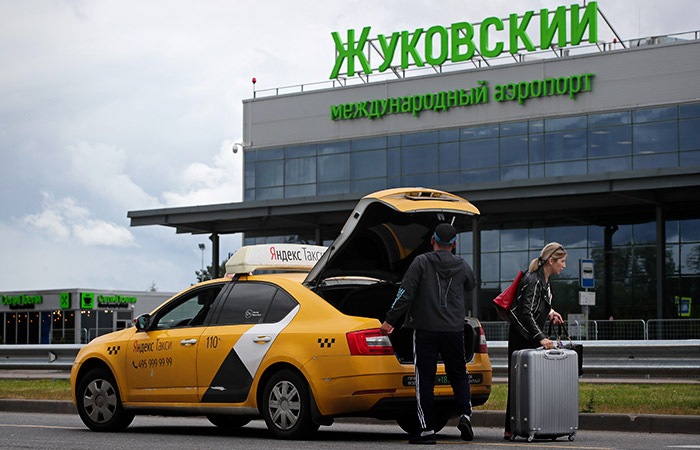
x,y
679,358
38,357
88,334
639,358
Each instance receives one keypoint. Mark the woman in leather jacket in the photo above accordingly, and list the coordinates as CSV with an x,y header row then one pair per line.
x,y
533,307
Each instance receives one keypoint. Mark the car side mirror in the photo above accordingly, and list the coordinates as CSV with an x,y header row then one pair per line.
x,y
142,322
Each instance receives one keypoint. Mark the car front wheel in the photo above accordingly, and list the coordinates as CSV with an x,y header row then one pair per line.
x,y
99,404
286,406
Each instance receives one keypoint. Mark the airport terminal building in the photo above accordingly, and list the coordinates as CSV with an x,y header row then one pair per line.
x,y
588,141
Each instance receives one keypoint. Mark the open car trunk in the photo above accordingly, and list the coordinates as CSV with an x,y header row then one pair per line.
x,y
361,271
373,299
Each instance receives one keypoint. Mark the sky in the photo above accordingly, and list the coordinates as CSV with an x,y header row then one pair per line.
x,y
113,106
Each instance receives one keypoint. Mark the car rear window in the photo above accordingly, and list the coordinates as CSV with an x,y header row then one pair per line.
x,y
250,303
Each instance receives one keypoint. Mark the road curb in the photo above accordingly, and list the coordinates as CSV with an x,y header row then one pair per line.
x,y
37,406
638,423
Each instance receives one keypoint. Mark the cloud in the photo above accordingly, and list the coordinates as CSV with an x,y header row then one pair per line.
x,y
101,170
203,184
50,221
110,107
99,232
64,219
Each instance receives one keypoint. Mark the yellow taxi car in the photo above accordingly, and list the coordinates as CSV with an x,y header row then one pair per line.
x,y
297,348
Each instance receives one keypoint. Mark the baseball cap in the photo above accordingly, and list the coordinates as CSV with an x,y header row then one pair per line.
x,y
445,234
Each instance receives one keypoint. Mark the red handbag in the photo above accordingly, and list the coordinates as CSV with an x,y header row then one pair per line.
x,y
505,299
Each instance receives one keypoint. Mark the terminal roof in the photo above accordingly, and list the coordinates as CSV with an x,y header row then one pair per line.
x,y
614,198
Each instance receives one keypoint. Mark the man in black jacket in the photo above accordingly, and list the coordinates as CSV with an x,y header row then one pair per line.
x,y
431,301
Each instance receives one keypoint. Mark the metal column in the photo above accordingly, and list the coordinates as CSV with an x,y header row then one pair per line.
x,y
608,263
660,261
214,238
476,265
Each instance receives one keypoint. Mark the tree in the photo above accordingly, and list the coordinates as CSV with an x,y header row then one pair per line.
x,y
206,274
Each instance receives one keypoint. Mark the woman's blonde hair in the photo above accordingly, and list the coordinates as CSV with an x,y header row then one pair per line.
x,y
551,250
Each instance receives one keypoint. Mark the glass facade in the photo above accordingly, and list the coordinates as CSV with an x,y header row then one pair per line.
x,y
586,144
610,142
59,326
505,252
25,327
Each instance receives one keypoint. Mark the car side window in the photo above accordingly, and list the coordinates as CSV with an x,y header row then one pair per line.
x,y
282,304
188,311
251,303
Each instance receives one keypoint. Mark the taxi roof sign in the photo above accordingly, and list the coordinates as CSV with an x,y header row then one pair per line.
x,y
274,257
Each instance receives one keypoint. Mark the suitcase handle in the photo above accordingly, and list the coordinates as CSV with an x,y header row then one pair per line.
x,y
559,335
554,353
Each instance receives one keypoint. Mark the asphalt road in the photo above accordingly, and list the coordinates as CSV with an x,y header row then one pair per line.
x,y
65,431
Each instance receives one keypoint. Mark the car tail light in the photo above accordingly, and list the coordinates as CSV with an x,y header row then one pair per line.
x,y
482,341
369,342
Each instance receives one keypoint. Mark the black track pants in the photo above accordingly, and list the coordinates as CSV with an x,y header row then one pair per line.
x,y
427,346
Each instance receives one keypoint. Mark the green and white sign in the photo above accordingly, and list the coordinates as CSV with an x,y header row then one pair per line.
x,y
115,301
21,301
458,42
65,300
87,300
520,91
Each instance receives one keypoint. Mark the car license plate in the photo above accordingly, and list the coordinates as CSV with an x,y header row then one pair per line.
x,y
441,380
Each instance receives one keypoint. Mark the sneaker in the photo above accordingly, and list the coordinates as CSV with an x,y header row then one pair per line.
x,y
465,428
428,439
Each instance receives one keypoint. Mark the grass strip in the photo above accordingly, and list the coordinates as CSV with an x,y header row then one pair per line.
x,y
593,397
622,398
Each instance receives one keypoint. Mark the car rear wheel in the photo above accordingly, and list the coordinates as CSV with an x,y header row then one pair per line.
x,y
99,404
409,423
286,406
228,421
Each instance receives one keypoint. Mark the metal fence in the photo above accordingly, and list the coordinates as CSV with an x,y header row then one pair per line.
x,y
612,330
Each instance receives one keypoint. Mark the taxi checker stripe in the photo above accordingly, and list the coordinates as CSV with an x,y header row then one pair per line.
x,y
251,352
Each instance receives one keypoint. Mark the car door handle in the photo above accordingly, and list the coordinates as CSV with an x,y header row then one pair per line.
x,y
187,342
262,339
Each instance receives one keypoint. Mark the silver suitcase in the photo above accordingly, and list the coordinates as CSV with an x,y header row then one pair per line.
x,y
544,394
